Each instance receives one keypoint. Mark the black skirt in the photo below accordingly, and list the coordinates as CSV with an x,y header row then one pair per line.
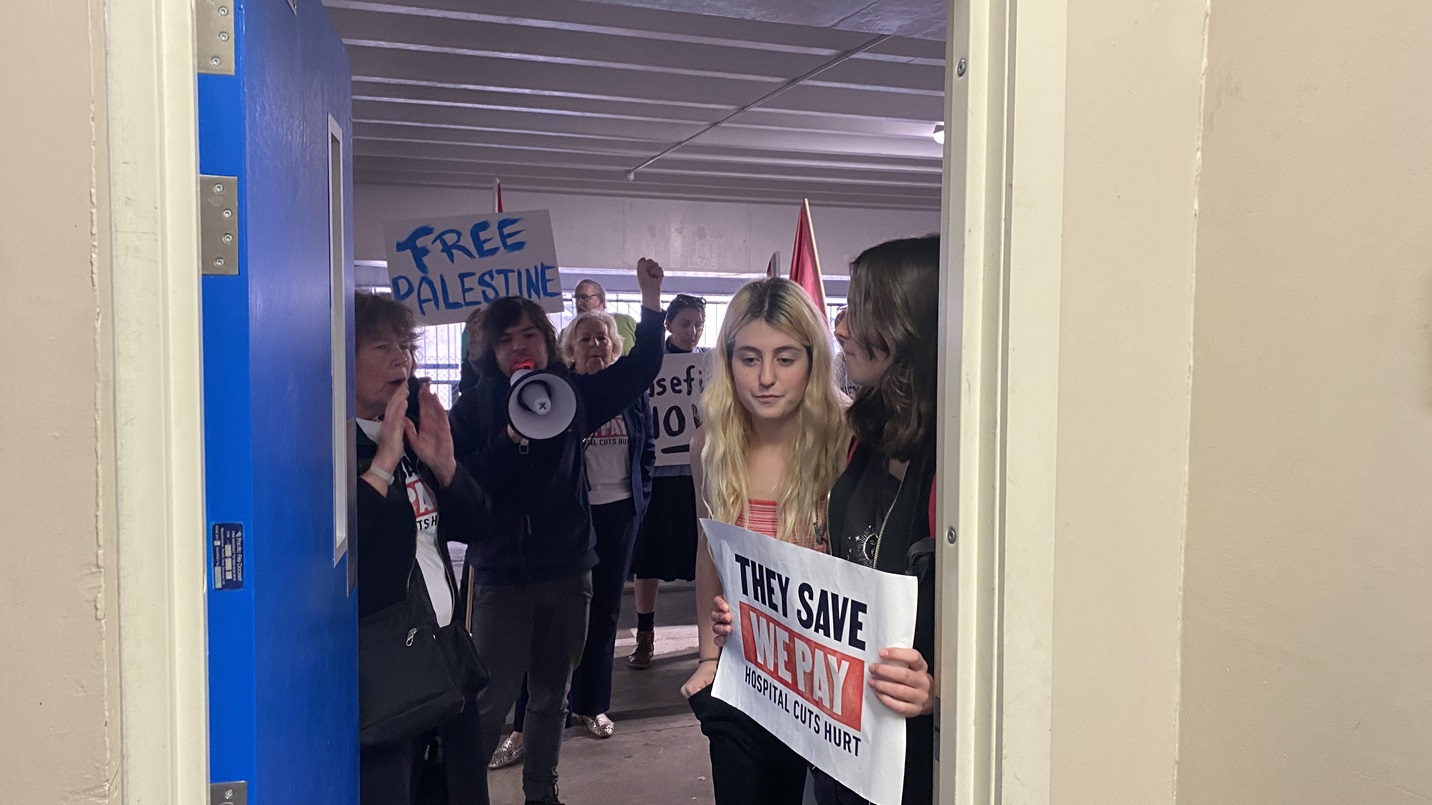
x,y
666,545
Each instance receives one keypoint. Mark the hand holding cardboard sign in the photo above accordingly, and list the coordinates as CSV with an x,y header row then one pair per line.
x,y
649,277
902,682
721,620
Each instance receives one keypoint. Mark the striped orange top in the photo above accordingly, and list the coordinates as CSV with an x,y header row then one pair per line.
x,y
763,520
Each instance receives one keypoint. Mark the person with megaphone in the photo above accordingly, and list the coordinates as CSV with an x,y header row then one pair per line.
x,y
619,457
519,431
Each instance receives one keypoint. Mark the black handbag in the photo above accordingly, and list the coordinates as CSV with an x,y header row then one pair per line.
x,y
412,674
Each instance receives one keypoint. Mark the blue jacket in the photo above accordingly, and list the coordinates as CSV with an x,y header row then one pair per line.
x,y
641,445
539,528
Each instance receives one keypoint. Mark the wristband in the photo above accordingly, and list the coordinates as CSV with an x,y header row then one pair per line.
x,y
387,477
708,659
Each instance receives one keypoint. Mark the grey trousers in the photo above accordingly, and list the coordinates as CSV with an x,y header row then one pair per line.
x,y
536,630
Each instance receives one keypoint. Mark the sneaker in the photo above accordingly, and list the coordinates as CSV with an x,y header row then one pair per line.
x,y
640,658
509,753
599,727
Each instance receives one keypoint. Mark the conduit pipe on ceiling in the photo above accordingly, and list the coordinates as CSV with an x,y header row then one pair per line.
x,y
849,54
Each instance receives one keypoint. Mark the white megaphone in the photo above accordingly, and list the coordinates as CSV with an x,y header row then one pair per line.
x,y
540,404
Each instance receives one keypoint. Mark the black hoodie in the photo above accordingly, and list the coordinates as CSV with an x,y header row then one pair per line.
x,y
540,526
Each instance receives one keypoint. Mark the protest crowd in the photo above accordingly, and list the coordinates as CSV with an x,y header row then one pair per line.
x,y
514,539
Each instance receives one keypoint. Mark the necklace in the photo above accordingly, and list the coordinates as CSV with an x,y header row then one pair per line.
x,y
865,548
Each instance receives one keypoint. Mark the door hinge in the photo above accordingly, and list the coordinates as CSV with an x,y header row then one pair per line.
x,y
219,224
214,36
236,793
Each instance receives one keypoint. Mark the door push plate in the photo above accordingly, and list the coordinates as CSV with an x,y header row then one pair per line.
x,y
214,36
229,793
219,225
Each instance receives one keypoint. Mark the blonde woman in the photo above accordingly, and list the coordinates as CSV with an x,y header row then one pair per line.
x,y
881,509
773,443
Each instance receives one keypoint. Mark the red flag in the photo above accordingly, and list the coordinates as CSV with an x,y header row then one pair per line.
x,y
497,192
805,265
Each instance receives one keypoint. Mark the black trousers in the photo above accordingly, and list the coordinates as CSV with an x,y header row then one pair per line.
x,y
388,773
533,630
749,766
830,792
591,694
919,770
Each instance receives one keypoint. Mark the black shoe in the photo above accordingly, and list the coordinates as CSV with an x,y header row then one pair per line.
x,y
549,799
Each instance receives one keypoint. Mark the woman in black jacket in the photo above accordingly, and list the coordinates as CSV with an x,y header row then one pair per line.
x,y
881,507
412,499
531,575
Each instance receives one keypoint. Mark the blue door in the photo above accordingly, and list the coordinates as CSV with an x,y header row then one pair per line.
x,y
274,132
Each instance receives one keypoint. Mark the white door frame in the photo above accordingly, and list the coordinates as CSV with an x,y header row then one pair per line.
x,y
999,383
153,155
1000,370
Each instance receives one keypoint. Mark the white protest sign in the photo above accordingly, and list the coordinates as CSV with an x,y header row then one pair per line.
x,y
807,626
676,405
442,268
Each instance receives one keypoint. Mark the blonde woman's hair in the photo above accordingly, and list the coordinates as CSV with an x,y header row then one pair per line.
x,y
819,435
569,335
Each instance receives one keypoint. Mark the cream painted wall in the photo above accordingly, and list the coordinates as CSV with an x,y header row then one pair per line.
x,y
1125,319
1307,650
59,692
601,232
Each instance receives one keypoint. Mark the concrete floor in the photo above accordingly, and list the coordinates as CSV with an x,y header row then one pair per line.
x,y
658,754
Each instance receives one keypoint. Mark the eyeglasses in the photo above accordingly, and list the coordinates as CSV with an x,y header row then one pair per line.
x,y
689,301
582,297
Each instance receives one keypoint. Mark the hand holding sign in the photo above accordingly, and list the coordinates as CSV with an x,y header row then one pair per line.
x,y
721,619
803,662
902,682
649,277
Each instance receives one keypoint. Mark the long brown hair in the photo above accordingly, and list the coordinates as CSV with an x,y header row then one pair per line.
x,y
894,310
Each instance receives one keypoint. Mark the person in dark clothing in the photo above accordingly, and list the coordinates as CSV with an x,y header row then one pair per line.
x,y
881,506
619,458
530,577
412,499
666,545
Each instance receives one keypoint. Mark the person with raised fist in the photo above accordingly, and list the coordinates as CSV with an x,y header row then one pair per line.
x,y
529,580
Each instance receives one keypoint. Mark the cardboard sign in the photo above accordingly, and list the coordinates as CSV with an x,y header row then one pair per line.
x,y
676,405
442,268
808,626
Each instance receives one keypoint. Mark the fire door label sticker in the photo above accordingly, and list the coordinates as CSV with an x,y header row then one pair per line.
x,y
228,556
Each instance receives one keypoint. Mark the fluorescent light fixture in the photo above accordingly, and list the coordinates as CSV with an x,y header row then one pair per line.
x,y
939,134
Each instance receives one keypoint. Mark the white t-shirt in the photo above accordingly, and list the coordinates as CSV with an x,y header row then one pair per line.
x,y
425,510
609,463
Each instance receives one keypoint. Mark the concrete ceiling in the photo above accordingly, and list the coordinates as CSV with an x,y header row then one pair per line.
x,y
569,96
